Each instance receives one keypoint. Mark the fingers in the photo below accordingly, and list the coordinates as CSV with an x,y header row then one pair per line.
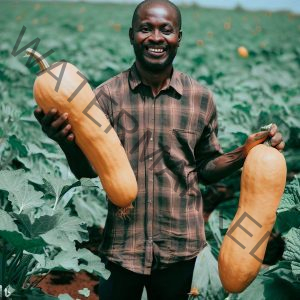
x,y
39,114
273,130
277,141
70,137
59,121
49,117
280,146
276,138
65,134
55,125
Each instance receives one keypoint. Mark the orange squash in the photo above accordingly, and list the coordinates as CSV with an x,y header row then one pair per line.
x,y
244,245
243,52
103,149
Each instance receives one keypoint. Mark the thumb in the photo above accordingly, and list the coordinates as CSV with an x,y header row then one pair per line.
x,y
260,137
255,139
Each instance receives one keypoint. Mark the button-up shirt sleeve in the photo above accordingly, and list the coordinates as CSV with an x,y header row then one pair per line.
x,y
208,147
212,163
104,101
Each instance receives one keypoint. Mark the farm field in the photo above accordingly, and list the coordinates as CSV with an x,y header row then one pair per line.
x,y
41,201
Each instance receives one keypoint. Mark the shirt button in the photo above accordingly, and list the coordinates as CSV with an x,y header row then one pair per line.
x,y
151,139
150,158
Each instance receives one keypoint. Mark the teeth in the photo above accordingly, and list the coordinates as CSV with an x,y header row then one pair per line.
x,y
156,50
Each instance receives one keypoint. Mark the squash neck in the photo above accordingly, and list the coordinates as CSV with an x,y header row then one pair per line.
x,y
39,58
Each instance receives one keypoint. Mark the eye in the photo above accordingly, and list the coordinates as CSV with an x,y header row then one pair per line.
x,y
145,29
167,30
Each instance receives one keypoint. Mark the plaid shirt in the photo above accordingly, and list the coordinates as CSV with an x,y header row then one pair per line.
x,y
168,139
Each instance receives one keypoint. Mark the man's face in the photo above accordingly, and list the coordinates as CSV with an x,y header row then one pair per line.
x,y
155,36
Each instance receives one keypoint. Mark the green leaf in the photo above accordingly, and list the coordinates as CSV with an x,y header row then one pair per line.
x,y
60,230
288,212
91,210
291,197
90,182
10,232
84,292
32,294
292,252
65,230
57,187
7,221
221,218
287,220
65,297
281,270
34,149
14,64
92,263
21,194
206,276
277,283
26,199
214,225
267,289
12,181
18,145
40,225
73,260
296,269
144,295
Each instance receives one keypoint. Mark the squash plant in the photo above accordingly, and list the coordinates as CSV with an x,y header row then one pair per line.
x,y
38,234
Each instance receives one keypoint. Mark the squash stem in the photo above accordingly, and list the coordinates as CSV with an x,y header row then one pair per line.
x,y
38,57
268,127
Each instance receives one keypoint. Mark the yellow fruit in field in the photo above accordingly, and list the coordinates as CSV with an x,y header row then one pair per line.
x,y
243,52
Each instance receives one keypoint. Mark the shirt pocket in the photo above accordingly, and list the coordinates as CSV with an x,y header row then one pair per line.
x,y
183,143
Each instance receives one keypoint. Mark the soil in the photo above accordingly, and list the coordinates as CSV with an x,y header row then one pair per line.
x,y
58,282
70,283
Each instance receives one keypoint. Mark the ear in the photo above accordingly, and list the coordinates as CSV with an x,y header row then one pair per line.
x,y
130,33
179,37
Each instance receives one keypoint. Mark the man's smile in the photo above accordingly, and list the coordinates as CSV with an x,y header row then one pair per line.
x,y
155,51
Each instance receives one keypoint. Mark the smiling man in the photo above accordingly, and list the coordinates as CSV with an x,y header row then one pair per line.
x,y
167,123
155,36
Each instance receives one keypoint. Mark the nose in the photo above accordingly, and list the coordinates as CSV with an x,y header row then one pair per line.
x,y
156,36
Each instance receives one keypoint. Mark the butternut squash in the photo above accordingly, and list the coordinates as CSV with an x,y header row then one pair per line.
x,y
243,248
102,149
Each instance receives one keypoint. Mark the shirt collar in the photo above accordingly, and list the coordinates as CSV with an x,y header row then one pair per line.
x,y
175,82
134,78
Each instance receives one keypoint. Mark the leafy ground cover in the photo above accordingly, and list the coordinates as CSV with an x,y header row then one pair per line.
x,y
250,92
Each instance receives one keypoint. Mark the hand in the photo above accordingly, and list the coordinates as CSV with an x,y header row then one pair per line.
x,y
275,136
55,125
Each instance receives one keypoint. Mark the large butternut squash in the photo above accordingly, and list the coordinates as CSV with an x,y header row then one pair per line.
x,y
103,149
243,249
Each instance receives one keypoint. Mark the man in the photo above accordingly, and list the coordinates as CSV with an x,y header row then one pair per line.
x,y
167,124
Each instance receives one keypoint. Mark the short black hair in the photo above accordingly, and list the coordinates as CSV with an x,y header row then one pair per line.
x,y
140,5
